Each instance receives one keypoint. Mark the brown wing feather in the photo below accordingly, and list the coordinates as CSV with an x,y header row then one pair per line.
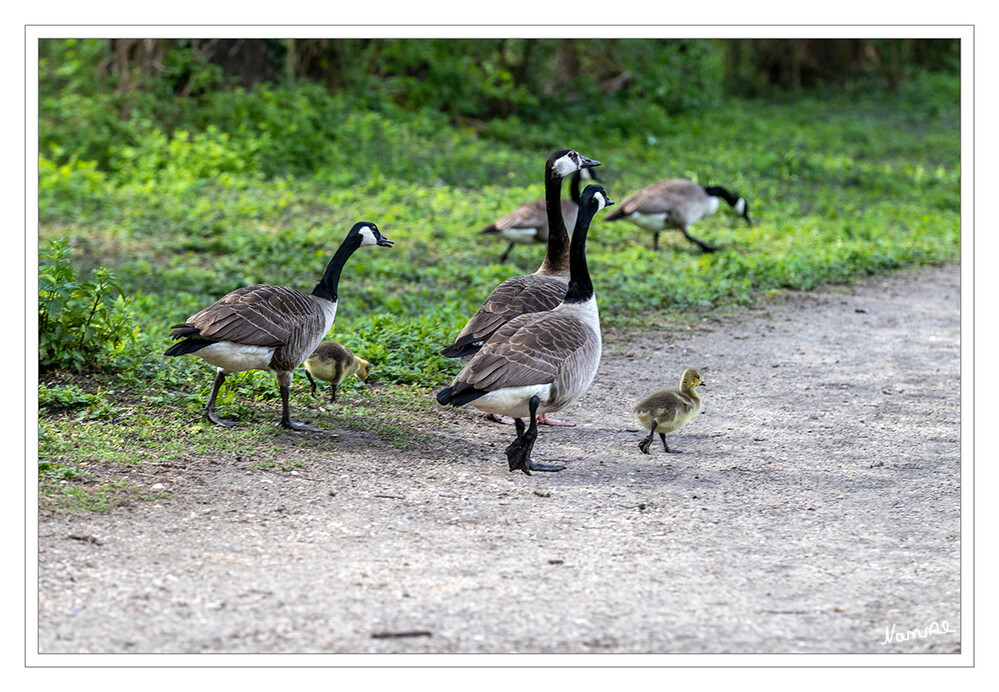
x,y
256,315
530,215
534,214
513,297
527,350
659,197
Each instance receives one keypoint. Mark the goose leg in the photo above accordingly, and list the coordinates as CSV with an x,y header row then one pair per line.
x,y
311,382
514,447
704,246
545,419
655,240
666,446
519,453
506,253
210,408
644,444
284,380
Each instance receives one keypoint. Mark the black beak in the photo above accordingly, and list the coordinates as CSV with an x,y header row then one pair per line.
x,y
383,241
587,163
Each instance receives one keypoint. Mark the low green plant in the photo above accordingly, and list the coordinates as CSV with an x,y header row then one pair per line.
x,y
80,324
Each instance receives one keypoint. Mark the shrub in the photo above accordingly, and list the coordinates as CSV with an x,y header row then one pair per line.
x,y
80,325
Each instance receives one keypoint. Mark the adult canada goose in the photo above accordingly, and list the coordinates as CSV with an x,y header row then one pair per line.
x,y
542,290
332,362
528,223
676,203
669,410
268,327
539,361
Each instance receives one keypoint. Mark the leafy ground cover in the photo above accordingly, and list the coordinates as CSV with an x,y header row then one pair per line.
x,y
840,186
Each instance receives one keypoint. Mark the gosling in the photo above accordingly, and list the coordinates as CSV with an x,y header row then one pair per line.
x,y
669,410
333,362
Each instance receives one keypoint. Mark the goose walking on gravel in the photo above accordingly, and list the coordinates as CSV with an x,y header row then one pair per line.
x,y
669,410
528,223
542,290
263,327
676,203
539,361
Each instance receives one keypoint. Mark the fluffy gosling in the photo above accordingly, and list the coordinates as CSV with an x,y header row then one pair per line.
x,y
669,410
333,362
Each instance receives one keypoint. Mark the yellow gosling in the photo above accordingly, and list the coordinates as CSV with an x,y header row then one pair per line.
x,y
669,410
332,362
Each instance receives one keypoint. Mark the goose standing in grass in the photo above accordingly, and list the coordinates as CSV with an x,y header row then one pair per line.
x,y
268,327
539,361
542,290
669,410
333,362
676,203
528,223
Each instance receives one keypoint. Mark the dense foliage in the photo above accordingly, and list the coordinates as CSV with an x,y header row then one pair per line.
x,y
188,187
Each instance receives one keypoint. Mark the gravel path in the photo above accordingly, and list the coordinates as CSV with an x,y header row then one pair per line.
x,y
815,506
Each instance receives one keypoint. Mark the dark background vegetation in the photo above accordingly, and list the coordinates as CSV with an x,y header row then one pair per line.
x,y
172,171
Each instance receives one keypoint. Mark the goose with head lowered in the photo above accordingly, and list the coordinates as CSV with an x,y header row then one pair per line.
x,y
264,327
528,223
542,290
333,362
676,203
539,361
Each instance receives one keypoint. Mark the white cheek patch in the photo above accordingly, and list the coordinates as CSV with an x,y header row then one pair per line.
x,y
565,166
740,206
368,236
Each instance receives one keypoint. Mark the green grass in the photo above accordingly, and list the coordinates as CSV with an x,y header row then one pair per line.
x,y
839,189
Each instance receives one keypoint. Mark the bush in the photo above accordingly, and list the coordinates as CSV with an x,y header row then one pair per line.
x,y
80,325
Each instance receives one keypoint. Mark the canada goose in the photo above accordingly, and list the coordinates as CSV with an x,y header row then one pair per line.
x,y
542,290
676,203
539,361
528,223
669,410
333,362
268,327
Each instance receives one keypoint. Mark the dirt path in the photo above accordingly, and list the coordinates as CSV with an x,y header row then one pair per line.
x,y
816,505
